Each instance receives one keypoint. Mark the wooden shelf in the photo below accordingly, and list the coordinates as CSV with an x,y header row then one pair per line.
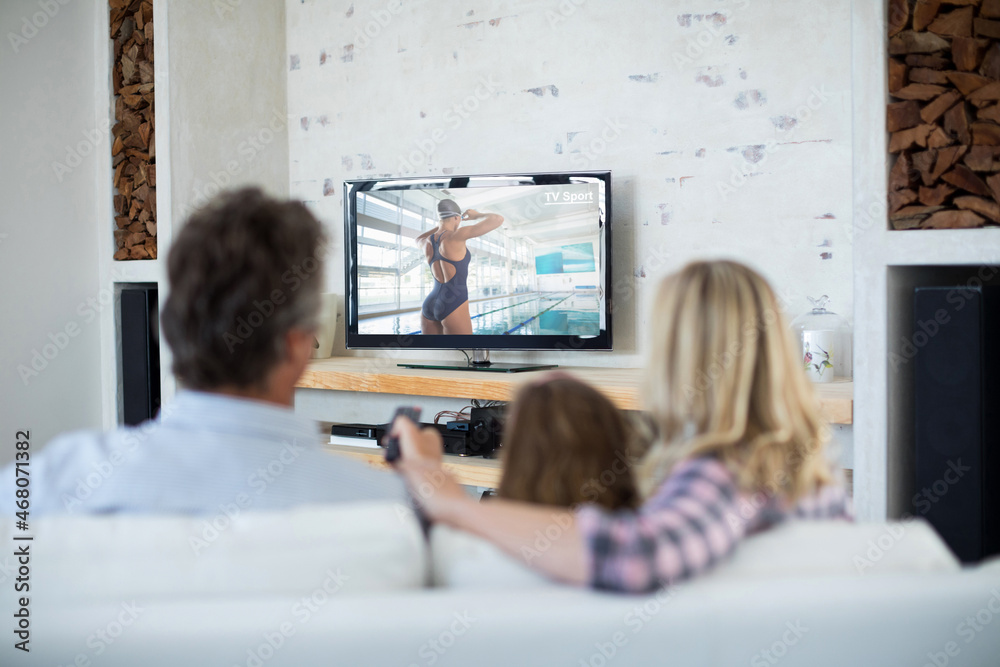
x,y
473,470
622,385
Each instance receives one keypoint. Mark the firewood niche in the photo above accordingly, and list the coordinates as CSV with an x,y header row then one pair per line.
x,y
944,117
134,148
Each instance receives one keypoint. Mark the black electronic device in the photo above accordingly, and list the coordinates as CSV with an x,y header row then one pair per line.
x,y
365,431
453,441
540,281
140,354
457,439
956,335
392,452
486,430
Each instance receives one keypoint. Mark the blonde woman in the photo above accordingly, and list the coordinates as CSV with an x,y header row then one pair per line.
x,y
741,448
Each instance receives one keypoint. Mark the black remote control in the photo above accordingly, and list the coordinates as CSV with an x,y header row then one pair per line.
x,y
392,443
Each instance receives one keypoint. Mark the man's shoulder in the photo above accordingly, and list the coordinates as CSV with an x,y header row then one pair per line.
x,y
346,479
87,443
66,461
69,445
154,467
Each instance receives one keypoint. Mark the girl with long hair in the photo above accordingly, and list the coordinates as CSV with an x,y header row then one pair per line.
x,y
565,444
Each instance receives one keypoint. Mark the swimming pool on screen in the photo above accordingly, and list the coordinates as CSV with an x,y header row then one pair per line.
x,y
528,313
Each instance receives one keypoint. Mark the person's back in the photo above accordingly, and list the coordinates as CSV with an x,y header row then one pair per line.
x,y
205,453
245,278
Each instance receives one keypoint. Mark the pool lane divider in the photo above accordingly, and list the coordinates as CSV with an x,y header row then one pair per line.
x,y
513,305
533,317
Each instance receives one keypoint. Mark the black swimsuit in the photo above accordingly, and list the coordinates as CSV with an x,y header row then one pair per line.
x,y
447,296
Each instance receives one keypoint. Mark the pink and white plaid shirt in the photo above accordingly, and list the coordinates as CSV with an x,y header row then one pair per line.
x,y
695,520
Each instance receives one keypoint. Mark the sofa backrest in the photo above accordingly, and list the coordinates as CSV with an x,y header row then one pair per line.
x,y
794,548
805,548
311,550
462,560
378,547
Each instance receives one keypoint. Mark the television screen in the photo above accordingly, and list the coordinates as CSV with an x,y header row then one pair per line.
x,y
518,261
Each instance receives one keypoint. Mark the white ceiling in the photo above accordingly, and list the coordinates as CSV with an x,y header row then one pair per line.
x,y
541,214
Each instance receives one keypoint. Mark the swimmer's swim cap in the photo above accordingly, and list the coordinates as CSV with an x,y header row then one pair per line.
x,y
447,208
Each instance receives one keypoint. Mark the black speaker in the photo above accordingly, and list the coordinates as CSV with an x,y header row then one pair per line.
x,y
955,337
140,354
486,431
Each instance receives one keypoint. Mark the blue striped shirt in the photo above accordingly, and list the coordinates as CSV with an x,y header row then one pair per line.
x,y
205,453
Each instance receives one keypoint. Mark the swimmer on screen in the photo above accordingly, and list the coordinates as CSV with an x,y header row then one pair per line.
x,y
446,308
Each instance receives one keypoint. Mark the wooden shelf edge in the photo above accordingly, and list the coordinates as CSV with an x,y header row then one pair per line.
x,y
474,471
621,385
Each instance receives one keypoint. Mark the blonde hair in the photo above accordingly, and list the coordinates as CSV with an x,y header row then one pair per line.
x,y
723,380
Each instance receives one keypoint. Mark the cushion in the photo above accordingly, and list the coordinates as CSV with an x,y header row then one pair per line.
x,y
461,560
799,547
308,551
791,549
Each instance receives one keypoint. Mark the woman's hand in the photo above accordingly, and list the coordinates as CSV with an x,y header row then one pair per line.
x,y
421,454
472,214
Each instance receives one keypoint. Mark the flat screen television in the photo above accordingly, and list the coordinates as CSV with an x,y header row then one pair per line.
x,y
479,262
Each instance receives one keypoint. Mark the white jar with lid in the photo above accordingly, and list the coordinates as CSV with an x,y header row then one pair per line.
x,y
824,342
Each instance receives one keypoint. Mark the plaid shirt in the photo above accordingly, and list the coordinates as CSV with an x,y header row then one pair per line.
x,y
695,520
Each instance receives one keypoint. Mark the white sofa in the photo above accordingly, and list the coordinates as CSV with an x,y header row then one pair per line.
x,y
356,585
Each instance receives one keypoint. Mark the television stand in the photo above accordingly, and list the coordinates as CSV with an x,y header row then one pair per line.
x,y
479,361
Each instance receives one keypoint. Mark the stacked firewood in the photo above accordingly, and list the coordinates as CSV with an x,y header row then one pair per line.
x,y
134,148
944,120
